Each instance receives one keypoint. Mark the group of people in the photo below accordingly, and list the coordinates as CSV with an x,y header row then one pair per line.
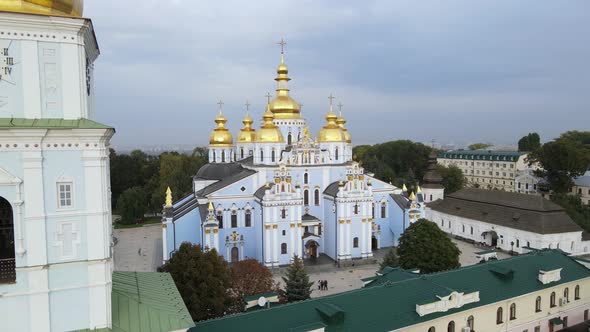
x,y
322,284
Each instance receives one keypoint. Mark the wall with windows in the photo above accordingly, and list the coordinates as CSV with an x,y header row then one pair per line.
x,y
527,317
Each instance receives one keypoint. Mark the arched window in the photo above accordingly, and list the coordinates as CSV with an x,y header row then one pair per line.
x,y
383,209
336,153
355,242
513,311
431,197
463,228
272,155
248,218
283,248
471,323
499,315
305,178
223,156
451,326
261,156
306,197
242,153
220,218
234,219
431,329
577,292
214,157
566,294
7,263
373,210
316,197
552,300
289,139
538,304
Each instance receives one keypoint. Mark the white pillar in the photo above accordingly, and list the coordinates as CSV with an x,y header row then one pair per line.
x,y
216,239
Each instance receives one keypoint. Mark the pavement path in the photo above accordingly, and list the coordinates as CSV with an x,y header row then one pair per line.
x,y
138,249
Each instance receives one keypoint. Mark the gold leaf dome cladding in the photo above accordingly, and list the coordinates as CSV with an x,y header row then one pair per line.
x,y
220,135
269,132
73,8
247,134
341,121
283,106
331,132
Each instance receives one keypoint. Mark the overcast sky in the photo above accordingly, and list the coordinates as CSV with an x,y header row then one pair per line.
x,y
452,71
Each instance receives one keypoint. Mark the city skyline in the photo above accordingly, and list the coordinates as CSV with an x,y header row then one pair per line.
x,y
496,70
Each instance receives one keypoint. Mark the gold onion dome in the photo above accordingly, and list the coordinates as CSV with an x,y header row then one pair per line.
x,y
220,135
341,121
72,8
269,132
283,106
247,134
331,132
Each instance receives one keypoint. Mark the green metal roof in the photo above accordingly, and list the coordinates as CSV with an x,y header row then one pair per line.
x,y
21,123
482,155
392,304
147,302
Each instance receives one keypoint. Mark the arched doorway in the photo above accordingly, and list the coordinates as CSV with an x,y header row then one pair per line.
x,y
235,254
374,243
7,264
311,249
490,238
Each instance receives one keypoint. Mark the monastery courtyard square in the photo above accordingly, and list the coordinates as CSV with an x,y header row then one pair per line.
x,y
140,249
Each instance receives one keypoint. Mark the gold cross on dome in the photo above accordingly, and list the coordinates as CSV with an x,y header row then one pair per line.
x,y
340,107
282,43
247,105
268,97
331,99
220,103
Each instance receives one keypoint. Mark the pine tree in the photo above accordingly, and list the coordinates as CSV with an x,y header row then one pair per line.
x,y
390,259
297,284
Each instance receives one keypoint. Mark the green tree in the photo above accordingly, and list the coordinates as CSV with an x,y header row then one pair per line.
x,y
203,280
424,246
131,205
562,159
530,142
297,284
573,206
479,146
453,179
390,259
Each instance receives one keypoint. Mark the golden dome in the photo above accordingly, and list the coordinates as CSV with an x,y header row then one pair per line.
x,y
220,135
72,8
247,134
269,132
341,121
283,106
332,131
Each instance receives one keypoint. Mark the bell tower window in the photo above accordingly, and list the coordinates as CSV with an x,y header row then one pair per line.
x,y
7,262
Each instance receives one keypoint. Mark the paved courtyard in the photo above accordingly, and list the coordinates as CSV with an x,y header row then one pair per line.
x,y
140,249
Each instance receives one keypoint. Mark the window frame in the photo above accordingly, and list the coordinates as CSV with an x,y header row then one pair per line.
x,y
248,218
65,182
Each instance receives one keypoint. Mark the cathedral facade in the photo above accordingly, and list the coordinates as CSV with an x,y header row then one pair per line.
x,y
277,191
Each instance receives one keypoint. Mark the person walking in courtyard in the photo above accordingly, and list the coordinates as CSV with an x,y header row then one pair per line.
x,y
319,285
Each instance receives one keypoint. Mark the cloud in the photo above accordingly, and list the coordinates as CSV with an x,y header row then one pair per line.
x,y
453,71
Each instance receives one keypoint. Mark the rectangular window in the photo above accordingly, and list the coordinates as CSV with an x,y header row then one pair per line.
x,y
248,218
537,329
234,220
64,190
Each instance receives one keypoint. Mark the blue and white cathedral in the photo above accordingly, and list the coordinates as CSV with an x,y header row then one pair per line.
x,y
277,191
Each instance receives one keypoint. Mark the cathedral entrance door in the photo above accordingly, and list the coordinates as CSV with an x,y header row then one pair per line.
x,y
235,254
7,266
374,243
311,249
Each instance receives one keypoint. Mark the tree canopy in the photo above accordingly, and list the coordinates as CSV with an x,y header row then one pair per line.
x,y
398,162
562,159
249,277
479,146
390,259
297,284
426,247
530,142
203,279
131,205
453,179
